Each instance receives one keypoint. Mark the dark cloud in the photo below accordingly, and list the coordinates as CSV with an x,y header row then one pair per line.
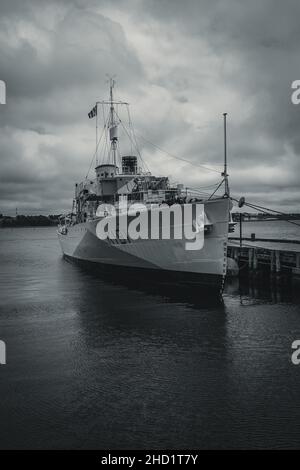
x,y
180,64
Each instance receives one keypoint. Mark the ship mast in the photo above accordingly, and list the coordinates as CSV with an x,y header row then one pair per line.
x,y
225,174
112,124
113,127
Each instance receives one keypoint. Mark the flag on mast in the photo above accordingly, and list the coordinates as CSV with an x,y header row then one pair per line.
x,y
93,112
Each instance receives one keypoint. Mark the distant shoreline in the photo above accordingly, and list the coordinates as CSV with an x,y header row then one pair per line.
x,y
28,221
271,220
29,226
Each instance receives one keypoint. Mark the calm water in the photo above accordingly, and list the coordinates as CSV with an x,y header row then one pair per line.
x,y
97,365
270,229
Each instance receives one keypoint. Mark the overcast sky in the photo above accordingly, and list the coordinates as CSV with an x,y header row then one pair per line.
x,y
180,64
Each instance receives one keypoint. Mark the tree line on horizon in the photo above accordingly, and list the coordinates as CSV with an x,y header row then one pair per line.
x,y
28,220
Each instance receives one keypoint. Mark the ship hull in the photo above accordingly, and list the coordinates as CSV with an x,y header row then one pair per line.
x,y
165,261
162,276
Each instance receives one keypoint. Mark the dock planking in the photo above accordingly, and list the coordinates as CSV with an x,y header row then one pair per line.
x,y
266,255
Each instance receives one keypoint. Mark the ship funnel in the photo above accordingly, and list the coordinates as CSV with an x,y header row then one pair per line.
x,y
129,165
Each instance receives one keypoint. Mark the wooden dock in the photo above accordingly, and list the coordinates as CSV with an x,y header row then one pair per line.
x,y
267,256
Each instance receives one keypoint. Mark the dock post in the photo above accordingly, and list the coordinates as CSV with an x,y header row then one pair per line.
x,y
277,258
272,261
250,252
241,230
296,269
254,259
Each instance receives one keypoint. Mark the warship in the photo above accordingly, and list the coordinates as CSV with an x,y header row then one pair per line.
x,y
122,182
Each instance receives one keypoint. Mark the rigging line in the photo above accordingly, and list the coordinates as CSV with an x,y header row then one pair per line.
x,y
94,156
223,180
131,139
270,210
95,153
105,143
204,187
201,194
86,176
134,136
130,125
137,149
105,121
104,146
102,152
266,210
179,158
137,146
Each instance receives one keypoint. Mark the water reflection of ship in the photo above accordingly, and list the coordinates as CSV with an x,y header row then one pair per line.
x,y
153,286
